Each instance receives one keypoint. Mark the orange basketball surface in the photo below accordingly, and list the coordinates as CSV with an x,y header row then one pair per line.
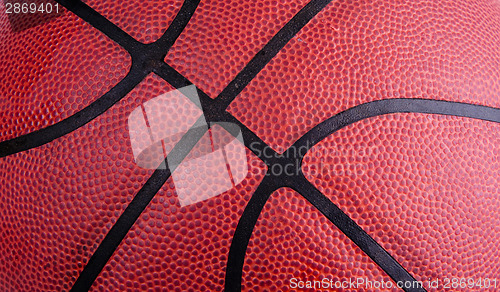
x,y
325,145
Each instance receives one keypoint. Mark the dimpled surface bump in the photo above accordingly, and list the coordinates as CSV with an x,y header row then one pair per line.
x,y
223,36
425,187
356,52
292,239
53,70
180,248
146,21
59,200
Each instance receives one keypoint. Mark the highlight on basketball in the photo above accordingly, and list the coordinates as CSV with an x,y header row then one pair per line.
x,y
225,145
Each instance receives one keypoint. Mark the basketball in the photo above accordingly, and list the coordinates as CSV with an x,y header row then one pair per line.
x,y
292,145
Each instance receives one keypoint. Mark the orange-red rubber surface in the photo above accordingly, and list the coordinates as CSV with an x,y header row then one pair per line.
x,y
293,240
146,21
223,36
59,200
52,71
424,186
176,248
352,53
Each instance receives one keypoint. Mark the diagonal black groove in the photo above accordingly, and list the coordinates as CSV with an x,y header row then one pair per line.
x,y
101,23
141,66
141,200
167,40
270,50
245,226
174,78
390,106
352,230
158,49
68,125
253,142
215,113
243,233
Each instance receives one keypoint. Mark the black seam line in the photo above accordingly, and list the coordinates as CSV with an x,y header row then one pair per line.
x,y
391,106
355,233
264,56
141,200
180,22
156,50
253,142
101,23
346,117
243,233
345,223
244,230
75,121
130,215
367,244
177,80
117,233
215,112
227,100
246,224
140,68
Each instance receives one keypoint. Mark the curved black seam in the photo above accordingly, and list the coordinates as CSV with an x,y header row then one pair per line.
x,y
229,94
391,106
181,20
119,230
324,205
247,221
246,224
243,233
142,65
136,207
345,223
134,47
75,121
